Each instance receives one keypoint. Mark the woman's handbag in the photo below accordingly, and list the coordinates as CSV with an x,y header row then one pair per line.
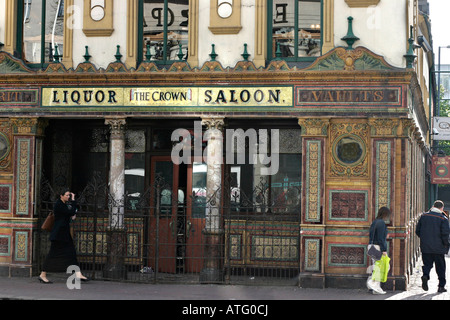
x,y
374,252
381,269
49,222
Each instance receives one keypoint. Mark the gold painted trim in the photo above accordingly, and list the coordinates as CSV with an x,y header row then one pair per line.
x,y
10,26
67,58
362,3
193,34
132,33
101,28
260,33
328,26
230,25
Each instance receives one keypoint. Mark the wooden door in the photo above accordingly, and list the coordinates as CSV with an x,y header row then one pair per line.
x,y
163,214
195,216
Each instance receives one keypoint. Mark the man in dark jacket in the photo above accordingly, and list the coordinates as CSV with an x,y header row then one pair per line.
x,y
433,230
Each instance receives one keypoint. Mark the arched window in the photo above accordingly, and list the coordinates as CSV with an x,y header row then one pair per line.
x,y
164,30
40,29
294,29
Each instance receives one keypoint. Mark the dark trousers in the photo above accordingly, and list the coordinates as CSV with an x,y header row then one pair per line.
x,y
439,260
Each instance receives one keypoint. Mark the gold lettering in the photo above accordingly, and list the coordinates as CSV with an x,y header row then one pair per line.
x,y
315,95
378,95
330,96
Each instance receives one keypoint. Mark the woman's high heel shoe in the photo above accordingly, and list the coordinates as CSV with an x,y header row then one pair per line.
x,y
43,281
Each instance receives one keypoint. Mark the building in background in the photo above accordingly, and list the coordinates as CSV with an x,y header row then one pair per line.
x,y
222,141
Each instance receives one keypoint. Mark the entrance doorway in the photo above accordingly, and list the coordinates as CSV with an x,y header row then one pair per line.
x,y
177,216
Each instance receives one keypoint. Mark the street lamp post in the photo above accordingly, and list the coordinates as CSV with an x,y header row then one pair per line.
x,y
438,109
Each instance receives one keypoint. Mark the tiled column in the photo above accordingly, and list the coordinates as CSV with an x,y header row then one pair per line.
x,y
314,134
116,233
213,232
27,168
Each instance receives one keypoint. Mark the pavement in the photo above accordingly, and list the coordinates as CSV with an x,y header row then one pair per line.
x,y
17,288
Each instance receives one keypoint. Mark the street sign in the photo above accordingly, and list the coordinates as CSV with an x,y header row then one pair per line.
x,y
441,128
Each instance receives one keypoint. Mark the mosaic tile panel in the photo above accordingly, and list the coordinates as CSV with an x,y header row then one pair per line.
x,y
348,205
313,178
5,198
21,246
312,254
347,255
274,248
383,174
5,245
23,176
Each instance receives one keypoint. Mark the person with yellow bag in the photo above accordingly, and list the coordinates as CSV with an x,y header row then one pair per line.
x,y
380,261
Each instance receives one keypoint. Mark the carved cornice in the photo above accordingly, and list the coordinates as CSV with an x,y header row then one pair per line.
x,y
345,64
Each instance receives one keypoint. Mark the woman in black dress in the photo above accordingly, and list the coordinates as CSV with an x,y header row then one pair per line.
x,y
62,250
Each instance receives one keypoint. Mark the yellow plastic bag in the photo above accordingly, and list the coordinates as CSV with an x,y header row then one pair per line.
x,y
381,269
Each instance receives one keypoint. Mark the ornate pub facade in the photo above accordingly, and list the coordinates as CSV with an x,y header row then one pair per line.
x,y
229,141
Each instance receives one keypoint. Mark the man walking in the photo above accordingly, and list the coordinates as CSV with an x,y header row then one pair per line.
x,y
433,230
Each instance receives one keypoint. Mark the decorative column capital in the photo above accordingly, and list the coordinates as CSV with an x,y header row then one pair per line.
x,y
29,126
117,127
384,127
314,127
213,123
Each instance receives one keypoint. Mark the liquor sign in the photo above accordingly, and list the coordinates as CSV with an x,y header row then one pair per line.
x,y
441,128
440,170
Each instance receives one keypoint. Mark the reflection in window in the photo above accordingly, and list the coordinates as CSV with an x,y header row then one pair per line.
x,y
199,190
39,44
164,185
296,28
134,178
165,29
253,193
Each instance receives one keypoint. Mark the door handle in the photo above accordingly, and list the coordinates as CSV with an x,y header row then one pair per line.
x,y
173,228
188,228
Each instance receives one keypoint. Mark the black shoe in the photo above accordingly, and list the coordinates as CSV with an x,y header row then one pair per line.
x,y
425,283
43,281
442,289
